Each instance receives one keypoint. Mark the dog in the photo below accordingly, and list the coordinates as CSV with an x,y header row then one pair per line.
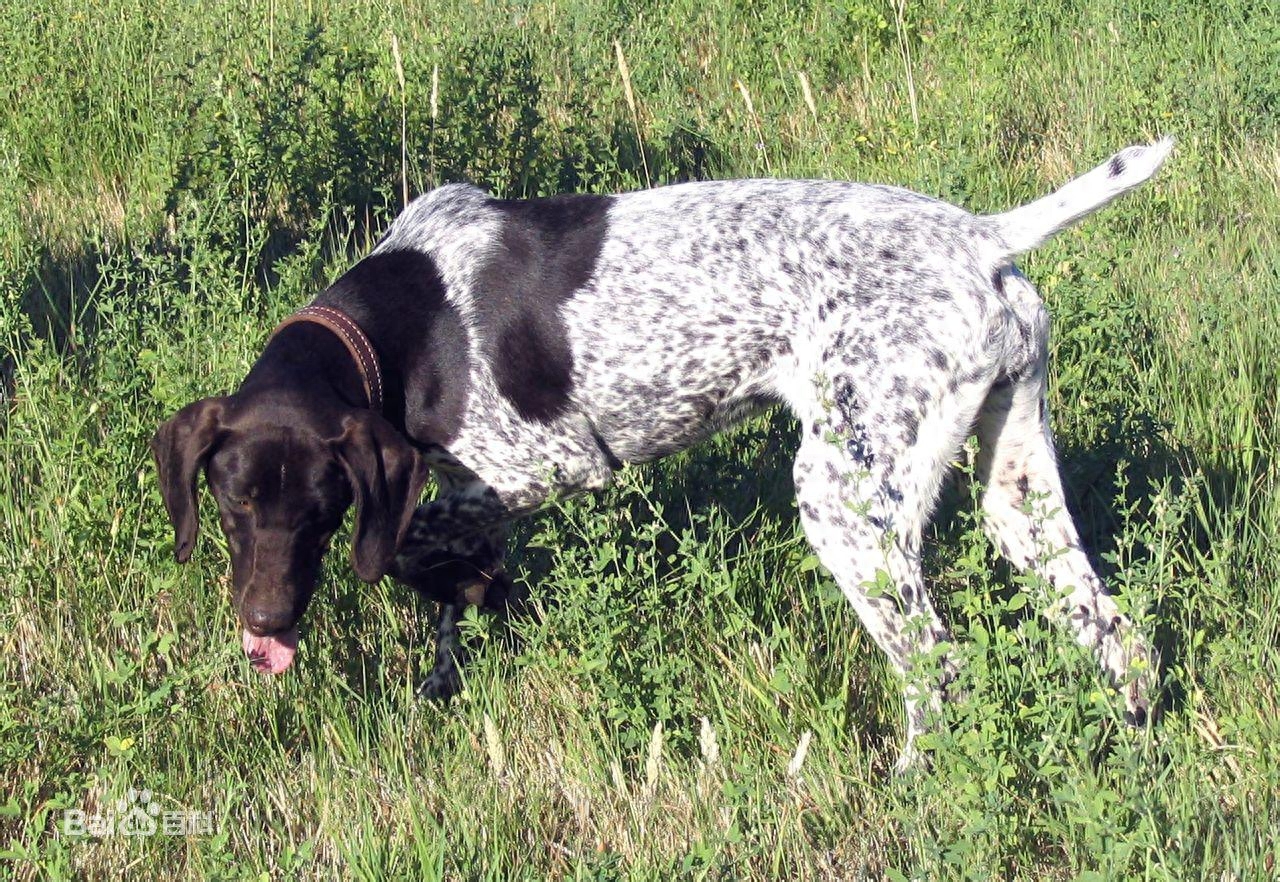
x,y
524,349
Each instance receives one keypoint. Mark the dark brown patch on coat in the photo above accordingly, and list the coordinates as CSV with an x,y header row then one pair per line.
x,y
547,251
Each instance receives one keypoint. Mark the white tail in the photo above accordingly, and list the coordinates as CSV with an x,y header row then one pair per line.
x,y
1023,229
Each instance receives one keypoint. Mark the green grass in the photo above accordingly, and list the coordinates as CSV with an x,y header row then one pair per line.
x,y
175,178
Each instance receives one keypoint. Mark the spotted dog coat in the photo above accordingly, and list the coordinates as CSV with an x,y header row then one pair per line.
x,y
579,333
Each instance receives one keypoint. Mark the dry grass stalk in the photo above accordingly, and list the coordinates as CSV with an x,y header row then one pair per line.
x,y
653,763
807,94
755,121
797,759
627,93
404,123
494,748
900,25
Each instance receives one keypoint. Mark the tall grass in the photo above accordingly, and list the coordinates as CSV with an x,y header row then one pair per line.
x,y
690,696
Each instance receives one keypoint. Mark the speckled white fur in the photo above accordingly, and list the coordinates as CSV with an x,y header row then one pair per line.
x,y
890,323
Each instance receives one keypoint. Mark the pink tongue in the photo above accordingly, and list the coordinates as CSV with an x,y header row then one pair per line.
x,y
271,655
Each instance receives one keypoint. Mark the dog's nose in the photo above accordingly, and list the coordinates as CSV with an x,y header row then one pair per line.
x,y
262,621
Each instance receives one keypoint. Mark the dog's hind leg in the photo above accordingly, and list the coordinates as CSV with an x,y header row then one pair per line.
x,y
1027,519
866,479
878,571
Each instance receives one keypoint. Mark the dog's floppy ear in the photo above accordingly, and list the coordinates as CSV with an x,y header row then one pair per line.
x,y
386,475
181,447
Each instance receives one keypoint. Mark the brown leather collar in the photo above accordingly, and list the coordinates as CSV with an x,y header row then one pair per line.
x,y
346,330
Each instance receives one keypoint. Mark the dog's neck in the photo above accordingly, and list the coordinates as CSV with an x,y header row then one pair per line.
x,y
398,300
305,362
418,340
363,354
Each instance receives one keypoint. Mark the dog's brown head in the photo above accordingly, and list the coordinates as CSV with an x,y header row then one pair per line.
x,y
283,474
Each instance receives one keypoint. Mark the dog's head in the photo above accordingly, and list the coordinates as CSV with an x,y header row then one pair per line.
x,y
283,476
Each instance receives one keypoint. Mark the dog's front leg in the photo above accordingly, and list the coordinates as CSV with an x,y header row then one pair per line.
x,y
453,554
454,547
445,679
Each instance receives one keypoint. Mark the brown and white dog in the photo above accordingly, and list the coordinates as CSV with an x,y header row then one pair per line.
x,y
524,349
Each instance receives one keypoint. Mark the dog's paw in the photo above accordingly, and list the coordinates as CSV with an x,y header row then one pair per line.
x,y
440,685
954,691
1141,689
912,761
1141,704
